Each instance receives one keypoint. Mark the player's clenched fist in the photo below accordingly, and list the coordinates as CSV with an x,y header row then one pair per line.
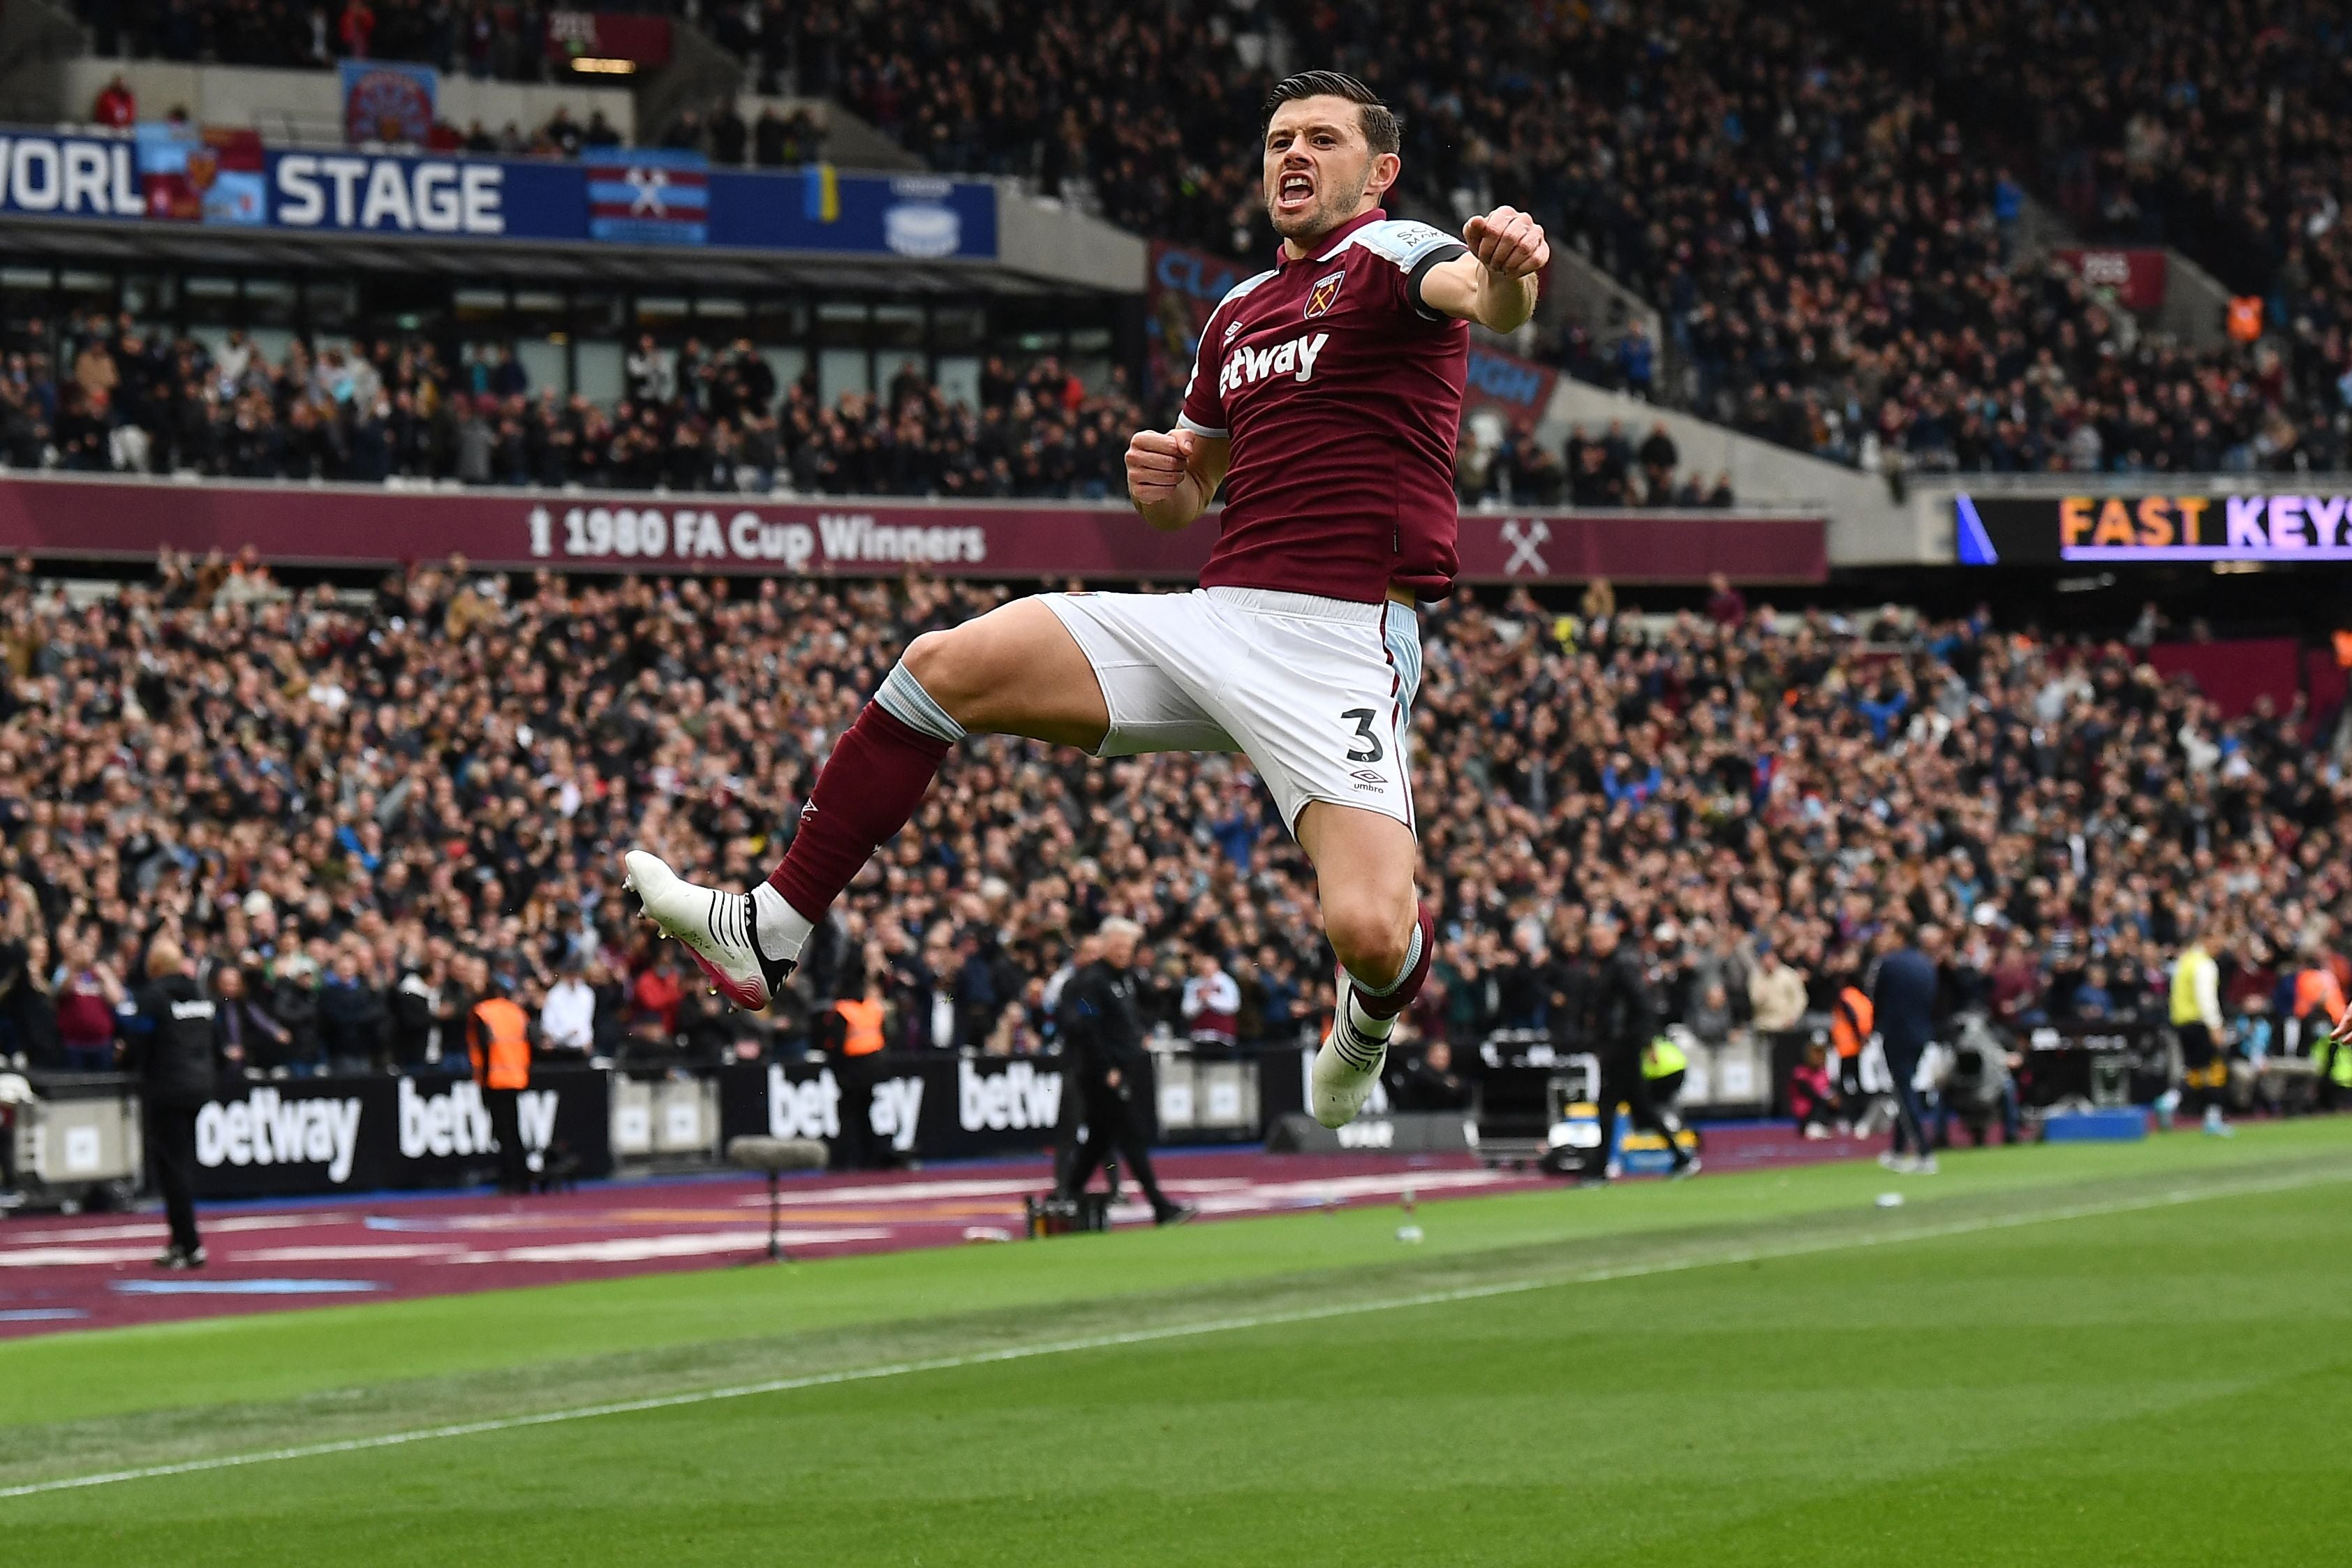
x,y
1158,461
1507,242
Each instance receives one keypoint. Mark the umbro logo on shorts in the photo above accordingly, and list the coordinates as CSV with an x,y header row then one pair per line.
x,y
1368,776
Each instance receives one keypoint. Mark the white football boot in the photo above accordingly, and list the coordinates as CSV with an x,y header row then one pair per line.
x,y
718,929
1347,1068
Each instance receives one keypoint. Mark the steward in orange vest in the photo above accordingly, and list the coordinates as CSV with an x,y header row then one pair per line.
x,y
1853,1020
861,1025
498,1041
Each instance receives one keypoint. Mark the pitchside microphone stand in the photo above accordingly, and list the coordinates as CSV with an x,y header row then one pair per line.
x,y
772,1157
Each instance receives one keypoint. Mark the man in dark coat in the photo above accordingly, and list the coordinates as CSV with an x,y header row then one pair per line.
x,y
1905,1001
1103,1034
1625,1018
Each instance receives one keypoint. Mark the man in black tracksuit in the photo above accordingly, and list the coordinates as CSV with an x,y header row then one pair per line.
x,y
1625,1021
1103,1034
173,1048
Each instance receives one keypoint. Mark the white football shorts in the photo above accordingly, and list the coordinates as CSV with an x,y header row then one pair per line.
x,y
1317,693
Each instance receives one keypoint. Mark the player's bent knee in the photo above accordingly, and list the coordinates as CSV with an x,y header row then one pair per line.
x,y
1370,938
943,665
929,658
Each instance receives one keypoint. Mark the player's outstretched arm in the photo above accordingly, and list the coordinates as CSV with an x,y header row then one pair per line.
x,y
1172,474
1495,285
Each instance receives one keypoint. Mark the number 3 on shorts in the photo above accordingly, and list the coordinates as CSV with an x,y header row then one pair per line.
x,y
1363,718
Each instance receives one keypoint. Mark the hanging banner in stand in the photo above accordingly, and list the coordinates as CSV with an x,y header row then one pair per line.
x,y
389,101
375,525
2135,277
291,1136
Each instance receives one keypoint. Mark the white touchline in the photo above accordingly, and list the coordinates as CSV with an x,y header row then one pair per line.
x,y
1173,1331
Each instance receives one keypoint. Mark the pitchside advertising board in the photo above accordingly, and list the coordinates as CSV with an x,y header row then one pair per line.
x,y
641,196
360,1134
2310,525
919,1107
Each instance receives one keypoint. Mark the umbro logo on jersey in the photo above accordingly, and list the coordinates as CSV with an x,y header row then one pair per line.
x,y
1232,328
1249,366
1325,294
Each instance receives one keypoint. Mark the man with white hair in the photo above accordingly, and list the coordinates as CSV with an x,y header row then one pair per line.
x,y
1103,1034
175,1051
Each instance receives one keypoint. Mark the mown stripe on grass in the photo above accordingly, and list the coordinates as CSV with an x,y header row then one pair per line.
x,y
1727,1257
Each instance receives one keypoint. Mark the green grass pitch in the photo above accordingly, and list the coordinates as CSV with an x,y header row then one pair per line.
x,y
2080,1355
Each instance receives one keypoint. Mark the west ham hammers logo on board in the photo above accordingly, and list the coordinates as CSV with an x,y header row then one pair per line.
x,y
1319,298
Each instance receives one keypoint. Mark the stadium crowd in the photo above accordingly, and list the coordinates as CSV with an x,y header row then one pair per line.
x,y
358,809
701,417
1834,254
507,42
1837,261
2218,129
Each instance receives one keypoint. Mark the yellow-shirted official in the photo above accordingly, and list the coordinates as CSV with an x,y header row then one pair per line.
x,y
2197,1020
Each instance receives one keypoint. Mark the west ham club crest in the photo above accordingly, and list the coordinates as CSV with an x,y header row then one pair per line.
x,y
1320,298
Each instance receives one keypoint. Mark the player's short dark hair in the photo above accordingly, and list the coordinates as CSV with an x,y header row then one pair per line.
x,y
1380,128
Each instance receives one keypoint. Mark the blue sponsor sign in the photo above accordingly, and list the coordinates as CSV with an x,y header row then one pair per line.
x,y
44,175
622,197
469,198
1507,379
923,217
648,196
1194,275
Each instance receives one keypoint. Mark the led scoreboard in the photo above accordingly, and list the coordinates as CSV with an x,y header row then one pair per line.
x,y
2158,526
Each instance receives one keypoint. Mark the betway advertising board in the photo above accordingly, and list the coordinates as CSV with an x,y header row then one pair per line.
x,y
847,537
928,1107
362,1134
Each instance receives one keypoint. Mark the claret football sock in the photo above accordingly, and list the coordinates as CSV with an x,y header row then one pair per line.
x,y
865,793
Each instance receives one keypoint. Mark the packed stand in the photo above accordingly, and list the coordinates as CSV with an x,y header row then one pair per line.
x,y
706,419
1510,467
504,41
2222,130
772,140
703,418
339,801
1834,256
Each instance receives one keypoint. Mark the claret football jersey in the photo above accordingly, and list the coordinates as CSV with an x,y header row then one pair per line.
x,y
1342,396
